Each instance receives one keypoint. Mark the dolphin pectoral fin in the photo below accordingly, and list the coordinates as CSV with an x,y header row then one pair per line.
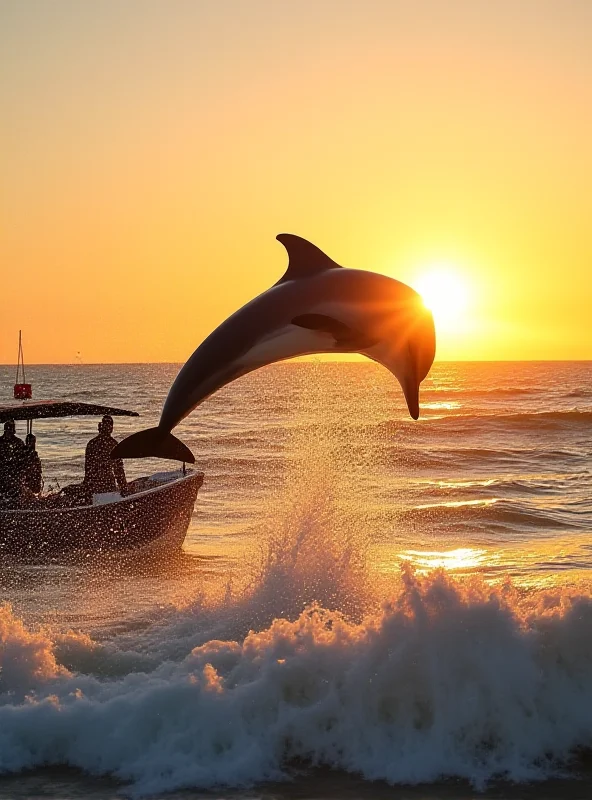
x,y
323,323
306,259
153,443
344,335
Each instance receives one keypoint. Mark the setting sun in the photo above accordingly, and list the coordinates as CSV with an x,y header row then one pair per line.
x,y
446,294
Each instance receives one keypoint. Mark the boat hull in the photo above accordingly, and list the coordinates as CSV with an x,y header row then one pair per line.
x,y
156,518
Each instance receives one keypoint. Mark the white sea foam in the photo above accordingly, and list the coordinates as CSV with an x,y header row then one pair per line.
x,y
447,678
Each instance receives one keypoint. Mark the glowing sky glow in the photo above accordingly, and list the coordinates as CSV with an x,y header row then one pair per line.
x,y
152,149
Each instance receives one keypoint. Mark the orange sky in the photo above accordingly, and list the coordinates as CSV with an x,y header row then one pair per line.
x,y
151,151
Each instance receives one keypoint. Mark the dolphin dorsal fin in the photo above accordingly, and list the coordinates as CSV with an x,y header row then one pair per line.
x,y
306,259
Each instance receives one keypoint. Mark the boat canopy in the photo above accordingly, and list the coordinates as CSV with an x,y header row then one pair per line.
x,y
45,409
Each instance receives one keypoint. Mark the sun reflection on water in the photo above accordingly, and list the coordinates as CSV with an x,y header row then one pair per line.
x,y
450,405
460,558
460,503
466,484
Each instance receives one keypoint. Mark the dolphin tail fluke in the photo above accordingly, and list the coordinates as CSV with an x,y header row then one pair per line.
x,y
153,443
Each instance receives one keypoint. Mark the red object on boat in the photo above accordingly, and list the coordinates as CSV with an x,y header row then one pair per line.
x,y
23,391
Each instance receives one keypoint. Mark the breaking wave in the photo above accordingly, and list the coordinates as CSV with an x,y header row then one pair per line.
x,y
441,678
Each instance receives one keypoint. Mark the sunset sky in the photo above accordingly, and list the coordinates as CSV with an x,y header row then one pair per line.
x,y
152,149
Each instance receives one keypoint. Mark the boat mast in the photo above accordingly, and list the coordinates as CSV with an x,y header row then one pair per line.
x,y
22,389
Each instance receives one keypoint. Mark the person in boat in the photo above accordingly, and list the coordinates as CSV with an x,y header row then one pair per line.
x,y
33,474
101,472
12,465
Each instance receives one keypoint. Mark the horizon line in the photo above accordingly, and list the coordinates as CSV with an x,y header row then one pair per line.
x,y
293,362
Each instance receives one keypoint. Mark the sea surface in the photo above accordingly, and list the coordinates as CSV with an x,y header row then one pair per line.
x,y
365,606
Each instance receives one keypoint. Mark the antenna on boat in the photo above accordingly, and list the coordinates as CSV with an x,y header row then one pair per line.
x,y
22,389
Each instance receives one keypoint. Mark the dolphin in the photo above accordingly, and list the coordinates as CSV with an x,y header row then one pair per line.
x,y
316,307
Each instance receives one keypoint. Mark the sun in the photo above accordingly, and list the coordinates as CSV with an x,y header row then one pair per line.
x,y
446,294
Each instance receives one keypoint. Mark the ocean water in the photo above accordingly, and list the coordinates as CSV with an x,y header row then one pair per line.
x,y
365,605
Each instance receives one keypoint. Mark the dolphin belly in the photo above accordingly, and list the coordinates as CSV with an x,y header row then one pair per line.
x,y
289,341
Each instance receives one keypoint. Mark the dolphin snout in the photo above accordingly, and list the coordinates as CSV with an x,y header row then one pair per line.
x,y
420,357
410,386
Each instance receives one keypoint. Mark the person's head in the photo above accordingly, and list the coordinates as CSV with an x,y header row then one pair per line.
x,y
9,428
106,426
30,440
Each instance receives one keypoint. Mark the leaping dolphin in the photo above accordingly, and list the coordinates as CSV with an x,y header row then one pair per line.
x,y
316,307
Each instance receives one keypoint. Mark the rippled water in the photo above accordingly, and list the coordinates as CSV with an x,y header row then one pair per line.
x,y
321,490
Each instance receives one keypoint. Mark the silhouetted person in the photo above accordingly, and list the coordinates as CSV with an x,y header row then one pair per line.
x,y
32,471
12,464
101,472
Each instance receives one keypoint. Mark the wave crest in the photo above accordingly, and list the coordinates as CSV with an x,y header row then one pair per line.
x,y
448,678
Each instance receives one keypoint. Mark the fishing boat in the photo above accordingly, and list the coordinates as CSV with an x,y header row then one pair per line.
x,y
153,516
